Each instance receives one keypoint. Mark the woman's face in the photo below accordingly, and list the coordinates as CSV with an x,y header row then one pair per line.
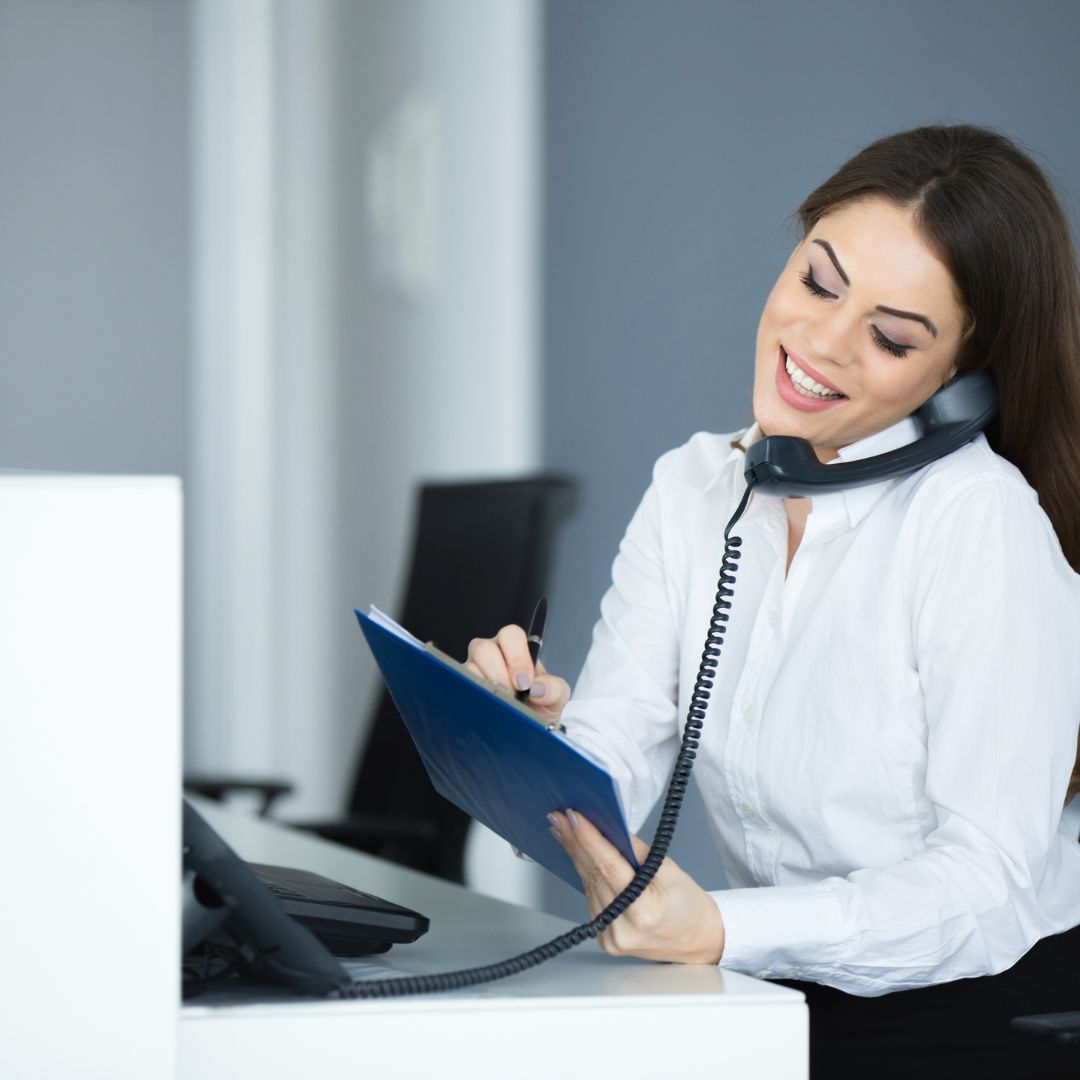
x,y
826,323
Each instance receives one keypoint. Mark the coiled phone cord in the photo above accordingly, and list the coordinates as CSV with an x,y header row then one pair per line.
x,y
665,830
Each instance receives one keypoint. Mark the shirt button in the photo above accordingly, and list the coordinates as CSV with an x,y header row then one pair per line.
x,y
774,619
748,713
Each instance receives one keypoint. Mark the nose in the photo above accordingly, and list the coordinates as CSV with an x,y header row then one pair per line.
x,y
832,335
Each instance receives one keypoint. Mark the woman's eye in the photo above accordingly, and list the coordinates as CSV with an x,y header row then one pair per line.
x,y
807,278
890,346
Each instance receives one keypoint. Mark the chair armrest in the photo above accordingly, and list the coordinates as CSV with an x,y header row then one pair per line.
x,y
220,787
366,831
1062,1027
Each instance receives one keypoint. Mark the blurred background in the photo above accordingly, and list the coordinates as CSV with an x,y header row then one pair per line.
x,y
309,253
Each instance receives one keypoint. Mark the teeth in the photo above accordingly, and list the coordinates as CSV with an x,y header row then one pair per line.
x,y
803,383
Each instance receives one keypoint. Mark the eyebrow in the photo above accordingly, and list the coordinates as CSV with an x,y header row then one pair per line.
x,y
886,310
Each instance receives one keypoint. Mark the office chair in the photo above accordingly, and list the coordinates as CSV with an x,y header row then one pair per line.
x,y
1064,1027
480,560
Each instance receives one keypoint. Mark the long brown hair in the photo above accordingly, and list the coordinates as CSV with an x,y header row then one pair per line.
x,y
993,219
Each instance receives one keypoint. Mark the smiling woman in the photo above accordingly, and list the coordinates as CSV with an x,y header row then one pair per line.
x,y
835,363
970,228
893,721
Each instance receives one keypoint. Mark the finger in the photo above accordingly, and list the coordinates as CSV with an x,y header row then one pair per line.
x,y
549,692
486,659
622,937
598,893
515,648
596,855
668,865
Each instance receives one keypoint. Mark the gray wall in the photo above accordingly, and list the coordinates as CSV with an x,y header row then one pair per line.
x,y
679,137
93,234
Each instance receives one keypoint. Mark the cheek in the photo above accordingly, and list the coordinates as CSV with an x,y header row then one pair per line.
x,y
901,389
784,305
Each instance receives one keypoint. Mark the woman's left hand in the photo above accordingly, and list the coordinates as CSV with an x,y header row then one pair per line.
x,y
674,919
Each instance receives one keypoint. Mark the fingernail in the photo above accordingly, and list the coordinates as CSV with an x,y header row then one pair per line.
x,y
521,681
553,821
572,818
538,689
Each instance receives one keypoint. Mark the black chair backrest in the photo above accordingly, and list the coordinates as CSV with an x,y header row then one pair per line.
x,y
480,560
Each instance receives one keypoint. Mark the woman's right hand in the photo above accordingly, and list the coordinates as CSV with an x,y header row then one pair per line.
x,y
505,659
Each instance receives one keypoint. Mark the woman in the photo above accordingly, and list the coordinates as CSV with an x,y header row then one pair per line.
x,y
889,743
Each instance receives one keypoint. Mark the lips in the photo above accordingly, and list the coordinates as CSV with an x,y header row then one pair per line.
x,y
801,402
816,375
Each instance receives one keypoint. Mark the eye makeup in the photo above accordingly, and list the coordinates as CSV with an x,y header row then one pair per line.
x,y
890,346
828,248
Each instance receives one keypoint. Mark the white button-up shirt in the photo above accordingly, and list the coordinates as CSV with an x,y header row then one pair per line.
x,y
894,721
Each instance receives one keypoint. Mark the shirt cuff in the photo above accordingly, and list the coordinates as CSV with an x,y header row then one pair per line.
x,y
781,931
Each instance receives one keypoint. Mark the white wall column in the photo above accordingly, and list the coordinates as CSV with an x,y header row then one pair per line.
x,y
366,317
311,612
231,448
261,688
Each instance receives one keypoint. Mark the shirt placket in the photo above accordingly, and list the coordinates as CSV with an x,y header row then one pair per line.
x,y
826,521
740,759
764,656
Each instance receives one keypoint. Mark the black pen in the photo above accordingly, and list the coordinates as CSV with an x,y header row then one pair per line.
x,y
536,638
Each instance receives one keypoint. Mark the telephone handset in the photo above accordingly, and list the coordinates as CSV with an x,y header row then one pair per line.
x,y
786,466
781,466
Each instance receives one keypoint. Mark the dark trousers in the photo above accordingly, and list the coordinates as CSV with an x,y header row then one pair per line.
x,y
952,1030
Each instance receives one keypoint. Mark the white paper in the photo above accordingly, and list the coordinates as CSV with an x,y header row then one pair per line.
x,y
380,618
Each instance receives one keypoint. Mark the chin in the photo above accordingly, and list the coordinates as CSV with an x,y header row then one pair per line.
x,y
775,419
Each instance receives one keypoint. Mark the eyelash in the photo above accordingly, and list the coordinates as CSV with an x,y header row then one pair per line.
x,y
807,278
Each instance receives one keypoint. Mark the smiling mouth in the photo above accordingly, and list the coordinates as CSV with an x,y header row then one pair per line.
x,y
805,384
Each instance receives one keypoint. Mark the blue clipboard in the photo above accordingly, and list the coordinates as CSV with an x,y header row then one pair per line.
x,y
489,754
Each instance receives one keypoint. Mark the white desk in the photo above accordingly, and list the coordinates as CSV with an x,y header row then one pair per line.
x,y
581,1014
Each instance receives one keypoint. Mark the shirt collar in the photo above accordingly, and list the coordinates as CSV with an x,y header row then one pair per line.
x,y
856,501
734,461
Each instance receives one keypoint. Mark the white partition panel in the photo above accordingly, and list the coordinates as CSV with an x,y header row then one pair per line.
x,y
90,797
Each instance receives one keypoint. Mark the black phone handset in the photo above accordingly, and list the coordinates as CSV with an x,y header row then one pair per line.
x,y
786,466
777,465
